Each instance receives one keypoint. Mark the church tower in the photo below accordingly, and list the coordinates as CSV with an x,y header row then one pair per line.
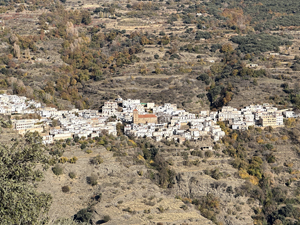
x,y
135,116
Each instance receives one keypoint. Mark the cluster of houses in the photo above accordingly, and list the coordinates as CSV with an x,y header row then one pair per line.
x,y
205,123
54,124
254,115
14,104
140,119
169,122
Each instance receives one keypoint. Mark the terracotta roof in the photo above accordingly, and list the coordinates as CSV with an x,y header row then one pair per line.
x,y
147,116
135,110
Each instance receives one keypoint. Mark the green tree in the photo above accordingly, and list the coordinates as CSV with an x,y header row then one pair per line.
x,y
19,201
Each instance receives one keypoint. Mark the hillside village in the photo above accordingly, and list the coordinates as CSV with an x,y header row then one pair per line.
x,y
150,112
139,119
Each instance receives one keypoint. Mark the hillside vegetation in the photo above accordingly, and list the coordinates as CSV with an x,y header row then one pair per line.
x,y
197,54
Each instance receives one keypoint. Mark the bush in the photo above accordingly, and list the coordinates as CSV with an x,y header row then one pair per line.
x,y
76,139
57,170
96,160
83,216
204,35
89,151
208,154
184,207
72,175
215,47
73,159
92,180
65,189
271,158
204,77
63,160
106,218
197,153
52,161
201,95
216,174
161,209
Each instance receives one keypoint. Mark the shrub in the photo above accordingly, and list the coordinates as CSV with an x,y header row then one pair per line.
x,y
106,218
76,139
73,159
52,161
204,35
89,151
290,122
216,174
208,154
96,160
65,189
57,170
215,47
184,207
92,180
128,209
161,209
203,77
84,216
197,153
63,160
284,138
271,158
72,175
216,146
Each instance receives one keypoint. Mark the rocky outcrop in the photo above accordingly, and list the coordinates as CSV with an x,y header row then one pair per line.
x,y
27,53
13,39
17,51
71,30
